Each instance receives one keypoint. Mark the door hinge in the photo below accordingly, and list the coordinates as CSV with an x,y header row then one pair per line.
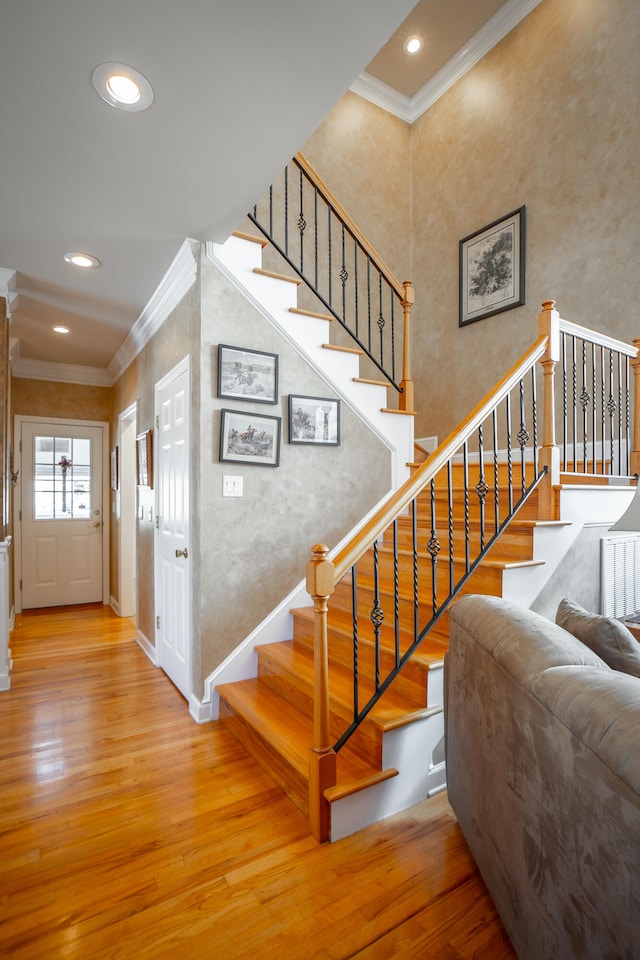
x,y
21,584
20,515
157,423
157,522
157,623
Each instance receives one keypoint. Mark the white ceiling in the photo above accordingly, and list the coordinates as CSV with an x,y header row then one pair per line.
x,y
239,86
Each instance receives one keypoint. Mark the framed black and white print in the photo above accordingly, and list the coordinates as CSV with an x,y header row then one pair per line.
x,y
492,268
247,374
314,420
249,438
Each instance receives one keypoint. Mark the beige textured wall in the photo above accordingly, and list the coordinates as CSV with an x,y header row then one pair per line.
x,y
74,401
177,337
549,119
252,551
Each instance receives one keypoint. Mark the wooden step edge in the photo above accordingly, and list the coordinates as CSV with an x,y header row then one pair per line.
x,y
375,383
404,413
341,790
336,346
241,235
277,276
311,313
403,721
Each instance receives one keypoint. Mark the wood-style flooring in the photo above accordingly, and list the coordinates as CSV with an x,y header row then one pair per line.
x,y
128,831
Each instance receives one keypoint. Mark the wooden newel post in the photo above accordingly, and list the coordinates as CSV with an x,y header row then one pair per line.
x,y
407,400
322,757
549,455
634,458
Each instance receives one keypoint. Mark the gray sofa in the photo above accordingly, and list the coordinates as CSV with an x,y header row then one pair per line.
x,y
543,773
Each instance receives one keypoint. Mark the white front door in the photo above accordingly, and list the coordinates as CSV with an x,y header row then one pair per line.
x,y
173,571
62,514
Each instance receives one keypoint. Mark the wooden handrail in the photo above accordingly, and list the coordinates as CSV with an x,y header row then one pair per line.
x,y
302,162
353,551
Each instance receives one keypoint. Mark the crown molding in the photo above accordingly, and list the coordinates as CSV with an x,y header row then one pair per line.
x,y
60,372
8,289
178,279
410,109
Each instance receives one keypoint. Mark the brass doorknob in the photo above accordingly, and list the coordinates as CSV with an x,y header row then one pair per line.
x,y
96,523
182,553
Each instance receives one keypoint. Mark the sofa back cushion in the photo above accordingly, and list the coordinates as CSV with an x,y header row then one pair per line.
x,y
607,637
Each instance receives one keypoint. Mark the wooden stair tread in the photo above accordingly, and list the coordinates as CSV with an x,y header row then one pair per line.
x,y
311,313
252,238
428,656
389,713
287,730
504,564
340,349
277,276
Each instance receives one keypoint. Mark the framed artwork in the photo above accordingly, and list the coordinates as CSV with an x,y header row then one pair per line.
x,y
144,459
114,468
249,438
314,420
492,268
247,374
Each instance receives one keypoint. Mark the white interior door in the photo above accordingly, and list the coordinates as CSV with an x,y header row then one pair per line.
x,y
62,514
173,571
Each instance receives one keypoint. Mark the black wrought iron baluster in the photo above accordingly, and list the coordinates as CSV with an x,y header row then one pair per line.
x,y
594,411
620,413
523,439
534,421
315,233
496,470
329,251
627,422
396,593
302,223
355,281
369,303
393,334
381,320
611,409
603,445
574,405
481,486
450,522
509,453
465,481
271,210
414,538
286,211
377,613
344,276
564,402
433,548
354,611
585,399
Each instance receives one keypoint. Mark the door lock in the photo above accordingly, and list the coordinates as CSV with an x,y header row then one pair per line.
x,y
182,553
96,523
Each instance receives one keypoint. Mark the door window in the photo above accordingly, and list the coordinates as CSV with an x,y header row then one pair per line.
x,y
62,478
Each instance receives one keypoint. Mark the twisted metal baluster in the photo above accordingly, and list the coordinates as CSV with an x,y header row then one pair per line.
x,y
396,592
585,399
414,533
450,522
496,470
433,547
523,439
377,613
354,611
509,457
594,417
465,472
611,408
286,211
482,488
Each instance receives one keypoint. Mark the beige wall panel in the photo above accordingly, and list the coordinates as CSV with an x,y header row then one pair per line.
x,y
72,401
549,119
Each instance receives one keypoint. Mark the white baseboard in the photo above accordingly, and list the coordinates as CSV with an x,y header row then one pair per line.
x,y
201,711
115,606
147,646
12,619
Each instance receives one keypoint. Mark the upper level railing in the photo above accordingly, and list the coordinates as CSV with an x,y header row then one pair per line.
x,y
401,572
312,231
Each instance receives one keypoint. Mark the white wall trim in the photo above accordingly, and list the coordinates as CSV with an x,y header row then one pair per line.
x,y
411,108
60,372
143,641
8,289
115,606
178,279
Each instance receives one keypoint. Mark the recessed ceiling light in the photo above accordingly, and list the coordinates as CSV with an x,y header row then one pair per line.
x,y
79,259
413,44
122,86
61,329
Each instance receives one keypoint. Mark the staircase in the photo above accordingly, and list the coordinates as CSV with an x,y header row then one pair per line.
x,y
346,713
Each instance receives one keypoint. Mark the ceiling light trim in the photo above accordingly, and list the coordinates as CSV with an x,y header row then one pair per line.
x,y
74,258
177,281
100,79
411,109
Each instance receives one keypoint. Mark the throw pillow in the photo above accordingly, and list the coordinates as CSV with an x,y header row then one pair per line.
x,y
607,637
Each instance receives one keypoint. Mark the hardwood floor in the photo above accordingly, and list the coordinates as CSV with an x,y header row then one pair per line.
x,y
128,831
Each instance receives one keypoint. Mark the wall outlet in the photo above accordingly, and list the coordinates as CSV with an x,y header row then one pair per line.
x,y
232,486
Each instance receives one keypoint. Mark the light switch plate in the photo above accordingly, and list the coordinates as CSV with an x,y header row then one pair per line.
x,y
232,486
